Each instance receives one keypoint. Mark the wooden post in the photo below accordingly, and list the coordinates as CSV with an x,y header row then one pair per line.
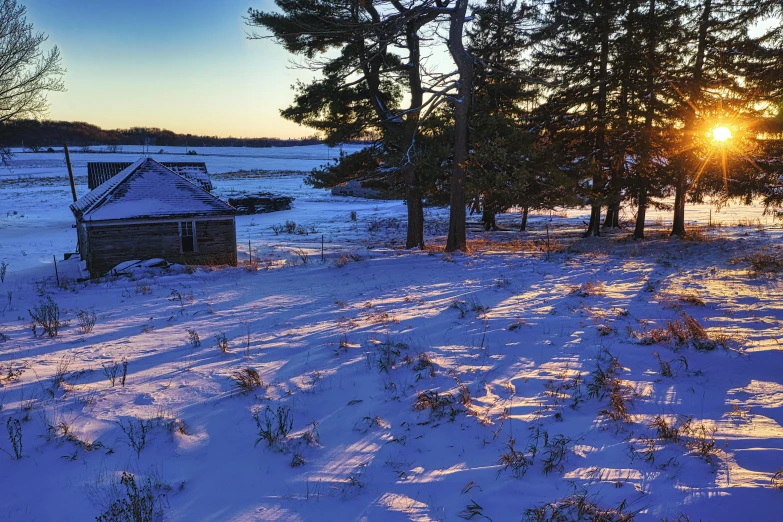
x,y
322,248
70,171
250,251
56,273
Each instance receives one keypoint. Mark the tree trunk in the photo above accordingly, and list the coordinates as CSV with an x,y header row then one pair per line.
x,y
609,216
678,224
612,219
649,116
488,220
615,223
594,227
694,93
638,231
457,239
523,226
415,237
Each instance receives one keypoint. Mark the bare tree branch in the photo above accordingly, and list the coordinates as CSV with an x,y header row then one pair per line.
x,y
26,72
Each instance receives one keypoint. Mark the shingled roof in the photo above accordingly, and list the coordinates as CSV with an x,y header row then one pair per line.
x,y
101,171
147,189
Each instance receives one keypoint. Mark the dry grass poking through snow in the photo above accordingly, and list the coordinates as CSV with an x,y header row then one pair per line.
x,y
768,260
588,289
585,384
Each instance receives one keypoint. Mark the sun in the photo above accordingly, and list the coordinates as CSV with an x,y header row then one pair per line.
x,y
721,134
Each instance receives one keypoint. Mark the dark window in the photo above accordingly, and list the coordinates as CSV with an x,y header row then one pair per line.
x,y
186,233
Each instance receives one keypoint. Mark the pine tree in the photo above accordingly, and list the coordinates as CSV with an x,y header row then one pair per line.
x,y
714,88
511,164
360,89
573,54
640,141
500,141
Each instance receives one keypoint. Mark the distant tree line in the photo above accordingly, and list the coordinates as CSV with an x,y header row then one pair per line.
x,y
35,135
603,103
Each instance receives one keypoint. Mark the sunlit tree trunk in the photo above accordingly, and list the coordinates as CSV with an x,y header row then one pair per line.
x,y
694,95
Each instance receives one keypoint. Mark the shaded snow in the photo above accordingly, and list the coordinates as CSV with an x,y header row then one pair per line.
x,y
349,344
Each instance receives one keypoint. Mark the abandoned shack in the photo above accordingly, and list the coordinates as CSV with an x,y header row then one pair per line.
x,y
149,211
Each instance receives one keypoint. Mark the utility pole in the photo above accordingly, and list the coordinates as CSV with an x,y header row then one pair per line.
x,y
70,172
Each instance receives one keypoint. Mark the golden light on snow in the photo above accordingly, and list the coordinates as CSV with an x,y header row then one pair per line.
x,y
721,134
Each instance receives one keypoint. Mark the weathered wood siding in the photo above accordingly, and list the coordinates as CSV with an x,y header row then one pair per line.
x,y
81,233
215,240
108,245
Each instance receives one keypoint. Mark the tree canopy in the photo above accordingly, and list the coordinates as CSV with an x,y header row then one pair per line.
x,y
543,104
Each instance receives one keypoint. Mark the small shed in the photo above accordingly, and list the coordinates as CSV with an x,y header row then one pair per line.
x,y
149,211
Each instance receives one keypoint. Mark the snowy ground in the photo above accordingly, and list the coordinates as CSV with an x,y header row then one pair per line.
x,y
420,386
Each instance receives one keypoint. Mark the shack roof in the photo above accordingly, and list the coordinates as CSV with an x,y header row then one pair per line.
x,y
100,171
147,189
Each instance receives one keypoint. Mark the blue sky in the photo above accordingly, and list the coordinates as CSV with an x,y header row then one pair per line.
x,y
184,65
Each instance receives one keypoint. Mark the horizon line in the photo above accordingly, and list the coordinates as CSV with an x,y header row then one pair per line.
x,y
163,129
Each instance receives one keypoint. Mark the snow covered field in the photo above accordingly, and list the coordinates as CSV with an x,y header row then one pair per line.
x,y
641,378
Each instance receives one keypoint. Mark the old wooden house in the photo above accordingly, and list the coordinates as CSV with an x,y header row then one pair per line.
x,y
149,211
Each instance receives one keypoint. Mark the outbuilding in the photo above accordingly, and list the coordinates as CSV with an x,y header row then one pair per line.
x,y
149,211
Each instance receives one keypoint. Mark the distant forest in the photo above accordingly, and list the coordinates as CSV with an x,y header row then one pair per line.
x,y
35,135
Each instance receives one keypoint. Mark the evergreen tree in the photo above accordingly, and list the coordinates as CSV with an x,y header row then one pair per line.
x,y
577,101
573,55
361,88
500,138
640,138
510,163
715,88
757,116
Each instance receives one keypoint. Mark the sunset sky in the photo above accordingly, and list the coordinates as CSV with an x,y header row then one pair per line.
x,y
184,65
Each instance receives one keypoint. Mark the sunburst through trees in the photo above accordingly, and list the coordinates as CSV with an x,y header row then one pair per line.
x,y
599,104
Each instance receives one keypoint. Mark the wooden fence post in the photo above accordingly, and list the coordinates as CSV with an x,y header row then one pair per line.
x,y
56,273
